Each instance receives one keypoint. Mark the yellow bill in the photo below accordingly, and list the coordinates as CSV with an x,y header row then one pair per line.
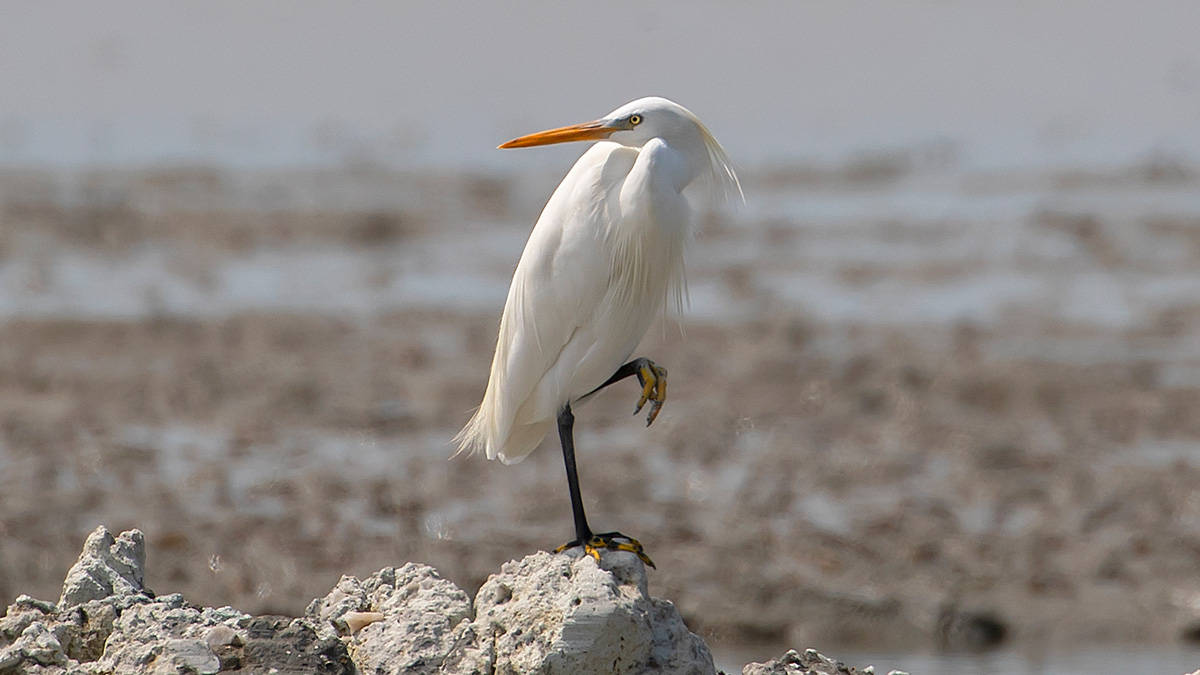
x,y
587,131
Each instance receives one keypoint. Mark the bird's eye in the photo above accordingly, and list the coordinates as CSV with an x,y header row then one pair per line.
x,y
635,120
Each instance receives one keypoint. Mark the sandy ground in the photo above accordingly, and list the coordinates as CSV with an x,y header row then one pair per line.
x,y
904,411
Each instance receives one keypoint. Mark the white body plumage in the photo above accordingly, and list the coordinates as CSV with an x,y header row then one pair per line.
x,y
597,269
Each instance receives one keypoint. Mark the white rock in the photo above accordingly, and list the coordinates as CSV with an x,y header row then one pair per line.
x,y
558,614
811,662
166,636
420,609
543,614
107,566
40,646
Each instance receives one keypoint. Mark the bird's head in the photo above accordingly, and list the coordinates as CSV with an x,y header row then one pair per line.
x,y
636,123
632,124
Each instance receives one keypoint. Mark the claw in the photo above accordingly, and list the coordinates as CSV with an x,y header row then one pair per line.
x,y
653,379
660,396
649,382
590,549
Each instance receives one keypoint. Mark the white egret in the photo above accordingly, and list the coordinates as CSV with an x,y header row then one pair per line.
x,y
599,265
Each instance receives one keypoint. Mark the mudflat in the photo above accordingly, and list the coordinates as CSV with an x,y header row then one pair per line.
x,y
905,407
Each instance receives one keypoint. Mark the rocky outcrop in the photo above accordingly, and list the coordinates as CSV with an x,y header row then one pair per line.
x,y
107,566
811,662
792,662
106,621
105,582
418,618
555,614
542,614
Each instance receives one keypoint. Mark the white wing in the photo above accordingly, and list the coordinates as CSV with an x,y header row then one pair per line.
x,y
593,275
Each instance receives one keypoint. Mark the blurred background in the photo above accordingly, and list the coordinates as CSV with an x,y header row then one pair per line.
x,y
935,403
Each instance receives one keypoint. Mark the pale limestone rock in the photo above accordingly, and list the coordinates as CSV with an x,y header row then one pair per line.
x,y
811,662
38,635
421,612
543,614
36,646
563,614
166,635
107,566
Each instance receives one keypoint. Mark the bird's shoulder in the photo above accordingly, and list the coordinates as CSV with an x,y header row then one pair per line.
x,y
606,162
586,200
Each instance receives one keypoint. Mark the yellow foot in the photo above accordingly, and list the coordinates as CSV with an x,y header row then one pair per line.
x,y
613,541
654,389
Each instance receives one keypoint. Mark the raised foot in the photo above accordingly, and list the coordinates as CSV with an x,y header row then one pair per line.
x,y
653,379
613,541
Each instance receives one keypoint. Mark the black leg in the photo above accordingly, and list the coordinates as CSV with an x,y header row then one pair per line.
x,y
591,543
653,380
632,368
566,425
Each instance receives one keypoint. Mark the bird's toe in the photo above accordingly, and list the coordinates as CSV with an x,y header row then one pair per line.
x,y
611,541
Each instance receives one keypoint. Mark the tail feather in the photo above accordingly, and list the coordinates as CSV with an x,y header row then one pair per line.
x,y
471,439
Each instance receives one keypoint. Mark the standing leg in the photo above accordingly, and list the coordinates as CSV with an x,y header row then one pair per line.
x,y
566,436
591,543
